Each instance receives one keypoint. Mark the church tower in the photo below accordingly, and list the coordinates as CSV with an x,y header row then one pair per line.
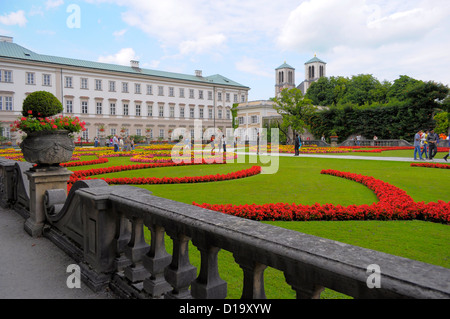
x,y
314,70
284,78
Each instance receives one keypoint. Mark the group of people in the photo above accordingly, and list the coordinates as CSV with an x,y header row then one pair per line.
x,y
221,143
426,143
120,144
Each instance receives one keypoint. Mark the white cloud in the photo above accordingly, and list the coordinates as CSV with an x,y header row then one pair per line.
x,y
152,65
123,57
253,66
50,4
383,38
119,33
201,26
325,24
14,18
202,44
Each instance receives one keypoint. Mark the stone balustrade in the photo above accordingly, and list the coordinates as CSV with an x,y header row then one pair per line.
x,y
104,229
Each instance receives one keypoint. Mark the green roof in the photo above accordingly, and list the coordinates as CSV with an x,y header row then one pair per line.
x,y
315,59
15,51
284,66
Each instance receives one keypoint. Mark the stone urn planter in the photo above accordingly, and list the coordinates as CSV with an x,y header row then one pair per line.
x,y
48,148
334,141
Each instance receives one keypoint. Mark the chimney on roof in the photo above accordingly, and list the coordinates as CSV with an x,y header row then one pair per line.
x,y
4,38
134,64
198,73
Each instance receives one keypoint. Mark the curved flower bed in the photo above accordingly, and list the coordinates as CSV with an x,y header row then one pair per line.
x,y
169,159
186,179
85,174
431,165
393,204
82,163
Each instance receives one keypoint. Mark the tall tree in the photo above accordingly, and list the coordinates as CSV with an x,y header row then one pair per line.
x,y
361,89
295,110
400,88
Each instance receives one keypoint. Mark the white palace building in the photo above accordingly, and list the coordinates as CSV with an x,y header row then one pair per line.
x,y
125,100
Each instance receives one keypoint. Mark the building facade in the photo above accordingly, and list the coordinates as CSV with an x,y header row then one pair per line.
x,y
314,70
252,115
284,78
123,100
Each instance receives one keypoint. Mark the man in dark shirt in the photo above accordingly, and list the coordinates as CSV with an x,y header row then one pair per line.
x,y
432,140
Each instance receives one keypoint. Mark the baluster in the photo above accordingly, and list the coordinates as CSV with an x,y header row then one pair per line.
x,y
253,278
155,261
209,285
121,240
180,273
305,289
137,247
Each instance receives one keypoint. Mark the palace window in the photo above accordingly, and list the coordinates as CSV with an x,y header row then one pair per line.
x,y
84,107
98,108
69,106
98,85
30,78
112,86
47,79
68,82
84,83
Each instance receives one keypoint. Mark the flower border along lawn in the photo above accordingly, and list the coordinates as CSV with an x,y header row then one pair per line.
x,y
299,180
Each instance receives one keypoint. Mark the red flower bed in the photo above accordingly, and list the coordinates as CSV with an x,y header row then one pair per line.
x,y
85,174
431,165
393,204
186,179
83,163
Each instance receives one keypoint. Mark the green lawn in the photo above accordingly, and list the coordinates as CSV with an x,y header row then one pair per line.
x,y
299,180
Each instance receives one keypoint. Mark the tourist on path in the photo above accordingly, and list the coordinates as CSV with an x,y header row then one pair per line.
x,y
115,141
432,140
424,143
417,145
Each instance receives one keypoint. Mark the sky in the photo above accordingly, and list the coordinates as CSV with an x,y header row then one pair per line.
x,y
244,40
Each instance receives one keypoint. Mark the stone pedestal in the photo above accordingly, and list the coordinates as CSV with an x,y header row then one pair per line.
x,y
334,141
42,179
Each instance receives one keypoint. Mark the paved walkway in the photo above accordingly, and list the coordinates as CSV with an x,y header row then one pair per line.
x,y
34,268
437,159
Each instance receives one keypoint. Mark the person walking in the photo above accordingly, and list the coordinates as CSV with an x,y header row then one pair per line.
x,y
432,140
257,143
296,145
424,144
224,143
121,144
115,142
417,146
299,143
446,156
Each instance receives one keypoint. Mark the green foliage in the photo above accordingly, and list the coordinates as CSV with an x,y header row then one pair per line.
x,y
442,123
234,115
295,110
368,107
41,104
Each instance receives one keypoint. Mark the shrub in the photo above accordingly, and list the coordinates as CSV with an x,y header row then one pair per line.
x,y
41,104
